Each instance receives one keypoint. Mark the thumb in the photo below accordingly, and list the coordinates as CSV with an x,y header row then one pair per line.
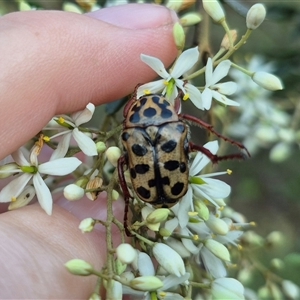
x,y
56,62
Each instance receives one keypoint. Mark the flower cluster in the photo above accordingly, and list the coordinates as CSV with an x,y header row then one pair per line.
x,y
186,248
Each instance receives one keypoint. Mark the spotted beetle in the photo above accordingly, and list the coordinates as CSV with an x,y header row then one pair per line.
x,y
156,143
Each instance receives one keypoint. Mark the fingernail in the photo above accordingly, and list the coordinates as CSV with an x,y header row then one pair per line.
x,y
136,16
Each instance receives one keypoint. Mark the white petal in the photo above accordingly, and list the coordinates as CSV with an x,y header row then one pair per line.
x,y
220,71
226,88
156,65
14,188
207,98
170,225
62,147
154,87
185,62
61,166
185,207
85,115
208,72
145,265
19,157
195,95
188,243
85,143
43,194
173,280
213,264
201,160
215,188
223,99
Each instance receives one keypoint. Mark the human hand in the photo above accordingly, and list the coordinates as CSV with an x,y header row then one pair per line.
x,y
53,63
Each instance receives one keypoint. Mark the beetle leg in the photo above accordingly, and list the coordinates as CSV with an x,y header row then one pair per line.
x,y
213,157
211,129
121,163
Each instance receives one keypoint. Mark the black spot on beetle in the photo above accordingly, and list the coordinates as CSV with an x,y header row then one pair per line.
x,y
180,128
182,167
143,101
166,180
149,112
144,193
169,146
134,118
156,99
151,183
177,188
125,136
171,165
139,150
132,173
142,168
166,113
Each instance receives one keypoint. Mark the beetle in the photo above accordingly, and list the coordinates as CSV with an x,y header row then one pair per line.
x,y
156,142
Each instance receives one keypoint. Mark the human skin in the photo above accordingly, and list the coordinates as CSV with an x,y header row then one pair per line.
x,y
54,62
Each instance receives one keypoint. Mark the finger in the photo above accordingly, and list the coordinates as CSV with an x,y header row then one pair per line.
x,y
57,62
34,248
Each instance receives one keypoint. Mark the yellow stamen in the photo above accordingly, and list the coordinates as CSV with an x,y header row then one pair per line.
x,y
13,199
147,92
166,83
192,213
195,237
61,120
229,172
46,138
186,97
253,224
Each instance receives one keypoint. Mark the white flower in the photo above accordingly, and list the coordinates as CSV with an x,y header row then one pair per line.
x,y
170,82
202,185
31,169
71,124
216,90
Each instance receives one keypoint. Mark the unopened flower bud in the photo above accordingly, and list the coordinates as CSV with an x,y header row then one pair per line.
x,y
214,9
24,6
23,199
8,170
87,225
218,249
169,259
226,41
79,267
227,288
101,147
201,209
157,216
113,154
71,7
290,289
280,152
117,290
174,4
275,239
277,264
217,225
146,283
179,36
126,253
267,81
73,192
190,19
115,195
95,296
187,4
255,16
